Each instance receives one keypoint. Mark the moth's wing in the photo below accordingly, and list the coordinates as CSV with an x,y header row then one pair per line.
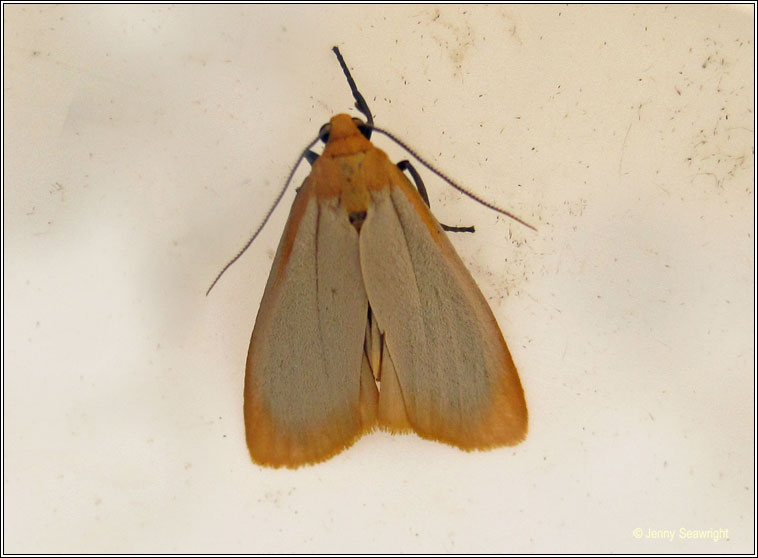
x,y
447,365
307,394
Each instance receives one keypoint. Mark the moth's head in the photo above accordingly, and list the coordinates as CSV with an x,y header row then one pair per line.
x,y
343,126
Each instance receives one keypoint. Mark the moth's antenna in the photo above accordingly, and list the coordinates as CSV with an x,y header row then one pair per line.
x,y
360,102
266,218
450,181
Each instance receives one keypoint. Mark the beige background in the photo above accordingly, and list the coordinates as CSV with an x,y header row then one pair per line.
x,y
143,144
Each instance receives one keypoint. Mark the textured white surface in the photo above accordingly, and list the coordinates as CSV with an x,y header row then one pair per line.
x,y
143,144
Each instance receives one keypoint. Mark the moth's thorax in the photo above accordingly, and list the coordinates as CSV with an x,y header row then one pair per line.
x,y
350,167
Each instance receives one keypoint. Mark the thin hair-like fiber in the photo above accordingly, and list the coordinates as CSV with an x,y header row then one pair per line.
x,y
450,181
266,218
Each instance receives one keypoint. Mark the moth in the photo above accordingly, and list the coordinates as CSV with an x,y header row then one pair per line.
x,y
370,319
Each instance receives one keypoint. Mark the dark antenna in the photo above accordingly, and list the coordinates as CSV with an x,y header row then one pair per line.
x,y
450,181
360,102
266,218
361,105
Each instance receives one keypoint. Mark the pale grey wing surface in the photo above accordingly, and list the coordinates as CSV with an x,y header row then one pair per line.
x,y
456,376
302,392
